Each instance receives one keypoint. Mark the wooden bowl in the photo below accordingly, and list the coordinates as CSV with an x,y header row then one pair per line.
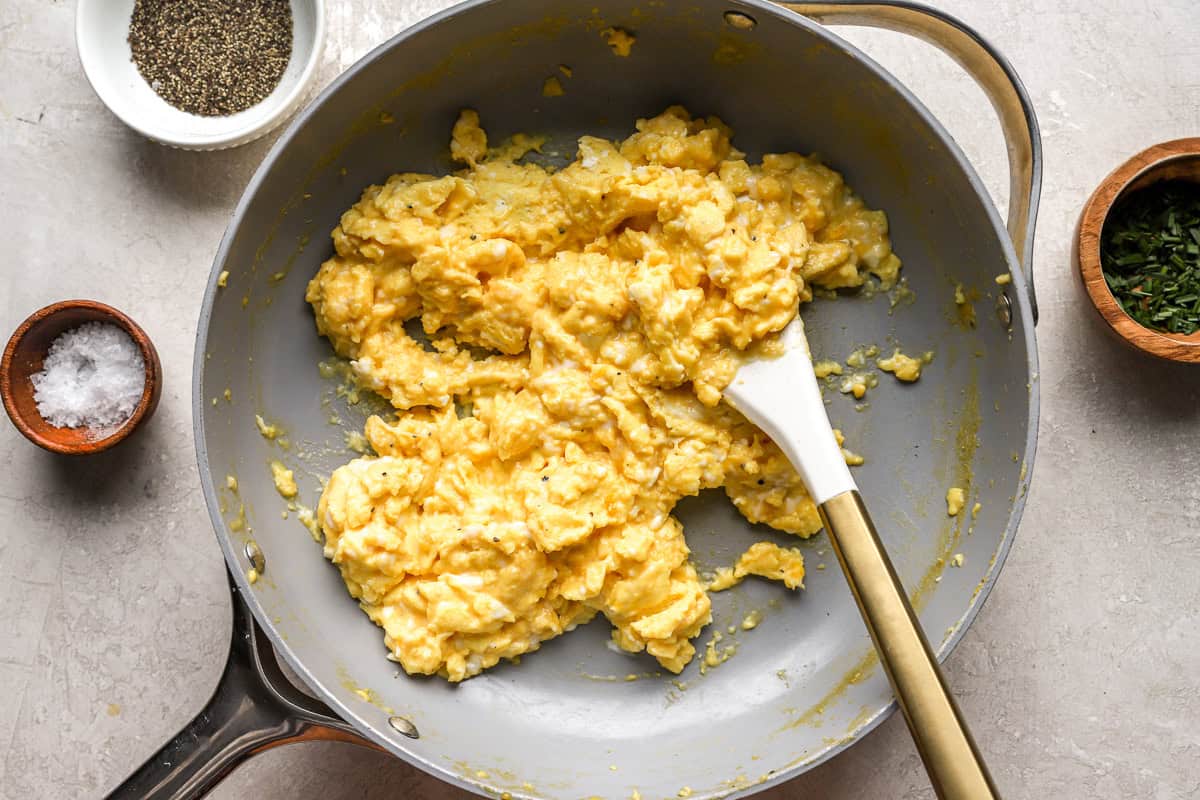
x,y
1170,161
23,358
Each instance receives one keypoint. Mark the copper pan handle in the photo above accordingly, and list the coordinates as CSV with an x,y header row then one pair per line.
x,y
253,708
994,74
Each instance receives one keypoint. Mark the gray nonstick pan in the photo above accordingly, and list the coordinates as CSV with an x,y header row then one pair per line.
x,y
566,722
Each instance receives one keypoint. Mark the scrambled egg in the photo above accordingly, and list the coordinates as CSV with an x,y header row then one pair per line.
x,y
621,41
268,431
582,324
858,357
905,368
964,308
766,560
284,479
857,384
823,369
955,500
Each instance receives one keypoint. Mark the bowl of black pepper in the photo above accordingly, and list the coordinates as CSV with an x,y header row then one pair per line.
x,y
201,74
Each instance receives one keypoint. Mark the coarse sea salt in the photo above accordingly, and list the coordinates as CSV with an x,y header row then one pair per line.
x,y
93,376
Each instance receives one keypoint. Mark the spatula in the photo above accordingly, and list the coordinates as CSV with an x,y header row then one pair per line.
x,y
780,395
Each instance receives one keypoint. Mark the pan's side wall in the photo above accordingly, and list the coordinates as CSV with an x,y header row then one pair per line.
x,y
782,87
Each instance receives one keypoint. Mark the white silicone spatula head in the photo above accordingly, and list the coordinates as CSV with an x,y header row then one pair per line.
x,y
780,395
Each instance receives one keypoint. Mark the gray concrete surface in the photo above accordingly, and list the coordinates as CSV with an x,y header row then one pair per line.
x,y
1081,674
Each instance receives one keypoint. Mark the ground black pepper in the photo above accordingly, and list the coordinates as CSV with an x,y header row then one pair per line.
x,y
211,57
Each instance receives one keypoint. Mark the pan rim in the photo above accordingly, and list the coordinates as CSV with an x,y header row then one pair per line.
x,y
249,194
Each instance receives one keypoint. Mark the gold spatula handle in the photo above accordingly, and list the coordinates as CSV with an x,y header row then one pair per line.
x,y
951,758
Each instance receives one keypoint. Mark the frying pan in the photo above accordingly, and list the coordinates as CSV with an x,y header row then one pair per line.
x,y
803,685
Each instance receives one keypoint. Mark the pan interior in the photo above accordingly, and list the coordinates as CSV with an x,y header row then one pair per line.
x,y
568,721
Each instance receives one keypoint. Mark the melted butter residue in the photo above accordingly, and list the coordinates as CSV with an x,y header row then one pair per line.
x,y
715,656
629,678
340,372
966,442
340,369
900,295
357,442
365,694
732,50
309,520
859,356
858,720
987,574
238,523
964,305
855,675
499,782
738,782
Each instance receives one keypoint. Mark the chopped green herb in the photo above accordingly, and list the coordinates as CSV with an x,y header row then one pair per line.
x,y
1150,254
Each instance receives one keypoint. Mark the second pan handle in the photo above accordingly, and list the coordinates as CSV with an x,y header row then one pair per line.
x,y
994,74
254,708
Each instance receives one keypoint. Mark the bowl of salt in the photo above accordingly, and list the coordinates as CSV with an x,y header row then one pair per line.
x,y
78,377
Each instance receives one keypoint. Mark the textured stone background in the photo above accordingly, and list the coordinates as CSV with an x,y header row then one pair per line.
x,y
1080,674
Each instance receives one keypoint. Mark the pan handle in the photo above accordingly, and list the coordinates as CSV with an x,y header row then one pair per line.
x,y
994,74
254,708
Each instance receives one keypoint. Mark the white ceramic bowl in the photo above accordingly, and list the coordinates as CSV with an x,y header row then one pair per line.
x,y
101,31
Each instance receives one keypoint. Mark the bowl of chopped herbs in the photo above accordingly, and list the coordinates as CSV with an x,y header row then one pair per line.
x,y
1138,250
201,74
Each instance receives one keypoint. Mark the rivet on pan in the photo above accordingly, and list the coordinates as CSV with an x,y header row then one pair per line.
x,y
743,22
255,556
1004,310
404,727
